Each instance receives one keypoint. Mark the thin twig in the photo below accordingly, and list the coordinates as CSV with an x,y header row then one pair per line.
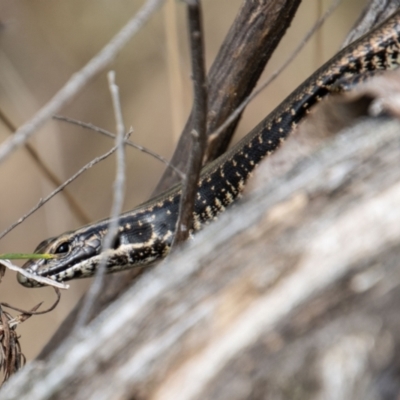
x,y
116,209
199,132
54,192
289,60
128,142
33,311
41,279
78,81
175,72
319,38
75,208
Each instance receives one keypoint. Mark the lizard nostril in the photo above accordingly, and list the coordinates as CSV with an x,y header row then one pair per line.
x,y
22,279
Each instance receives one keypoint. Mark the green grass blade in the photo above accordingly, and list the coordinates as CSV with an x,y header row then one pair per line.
x,y
26,256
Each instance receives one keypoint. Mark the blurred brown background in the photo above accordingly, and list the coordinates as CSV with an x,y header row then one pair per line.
x,y
43,42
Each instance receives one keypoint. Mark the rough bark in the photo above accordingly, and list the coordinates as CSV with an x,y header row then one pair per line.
x,y
293,293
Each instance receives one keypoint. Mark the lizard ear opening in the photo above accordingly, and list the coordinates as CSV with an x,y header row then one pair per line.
x,y
116,242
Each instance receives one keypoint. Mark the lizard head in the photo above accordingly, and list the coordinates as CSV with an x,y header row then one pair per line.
x,y
72,252
78,254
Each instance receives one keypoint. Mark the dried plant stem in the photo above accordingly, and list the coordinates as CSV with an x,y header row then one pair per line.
x,y
128,142
119,186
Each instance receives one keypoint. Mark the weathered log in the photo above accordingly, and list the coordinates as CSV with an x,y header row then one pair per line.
x,y
292,294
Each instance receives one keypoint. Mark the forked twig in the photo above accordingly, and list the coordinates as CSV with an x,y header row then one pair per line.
x,y
47,172
128,142
57,190
88,166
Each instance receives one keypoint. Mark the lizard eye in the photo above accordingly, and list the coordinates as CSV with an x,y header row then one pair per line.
x,y
63,248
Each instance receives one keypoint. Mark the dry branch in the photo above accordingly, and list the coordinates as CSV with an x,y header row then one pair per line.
x,y
297,298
